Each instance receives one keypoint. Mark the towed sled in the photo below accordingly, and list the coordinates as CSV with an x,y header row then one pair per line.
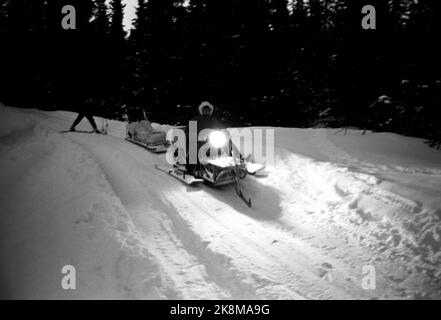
x,y
155,148
154,141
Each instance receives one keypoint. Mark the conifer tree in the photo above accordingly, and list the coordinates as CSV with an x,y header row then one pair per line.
x,y
117,20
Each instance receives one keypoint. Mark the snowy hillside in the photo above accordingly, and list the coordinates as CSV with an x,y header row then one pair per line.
x,y
332,205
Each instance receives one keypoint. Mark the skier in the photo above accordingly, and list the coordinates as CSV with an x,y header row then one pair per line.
x,y
86,111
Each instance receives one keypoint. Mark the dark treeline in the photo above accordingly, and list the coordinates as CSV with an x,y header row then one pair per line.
x,y
261,62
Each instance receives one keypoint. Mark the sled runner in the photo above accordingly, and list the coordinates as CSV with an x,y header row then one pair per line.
x,y
155,148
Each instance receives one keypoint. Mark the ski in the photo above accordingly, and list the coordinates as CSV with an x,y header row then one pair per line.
x,y
186,178
83,131
103,132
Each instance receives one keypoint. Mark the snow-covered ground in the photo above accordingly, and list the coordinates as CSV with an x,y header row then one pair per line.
x,y
335,209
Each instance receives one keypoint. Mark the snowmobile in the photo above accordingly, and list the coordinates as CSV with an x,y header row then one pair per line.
x,y
221,171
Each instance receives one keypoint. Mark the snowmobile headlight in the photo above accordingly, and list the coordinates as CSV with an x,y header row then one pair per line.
x,y
218,139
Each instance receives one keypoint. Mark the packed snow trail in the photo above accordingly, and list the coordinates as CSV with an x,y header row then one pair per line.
x,y
325,213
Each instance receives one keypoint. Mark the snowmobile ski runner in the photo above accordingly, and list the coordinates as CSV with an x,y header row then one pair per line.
x,y
155,148
180,174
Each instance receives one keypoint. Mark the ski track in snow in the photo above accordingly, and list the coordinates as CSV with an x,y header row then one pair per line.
x,y
314,225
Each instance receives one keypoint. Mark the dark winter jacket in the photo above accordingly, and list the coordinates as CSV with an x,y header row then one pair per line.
x,y
203,122
207,122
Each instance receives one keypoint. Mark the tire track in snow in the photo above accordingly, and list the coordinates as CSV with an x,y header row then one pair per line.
x,y
135,189
276,263
368,232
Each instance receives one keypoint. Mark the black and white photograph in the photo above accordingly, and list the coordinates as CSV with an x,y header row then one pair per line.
x,y
238,151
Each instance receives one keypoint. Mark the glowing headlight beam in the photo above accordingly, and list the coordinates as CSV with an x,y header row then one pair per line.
x,y
217,139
